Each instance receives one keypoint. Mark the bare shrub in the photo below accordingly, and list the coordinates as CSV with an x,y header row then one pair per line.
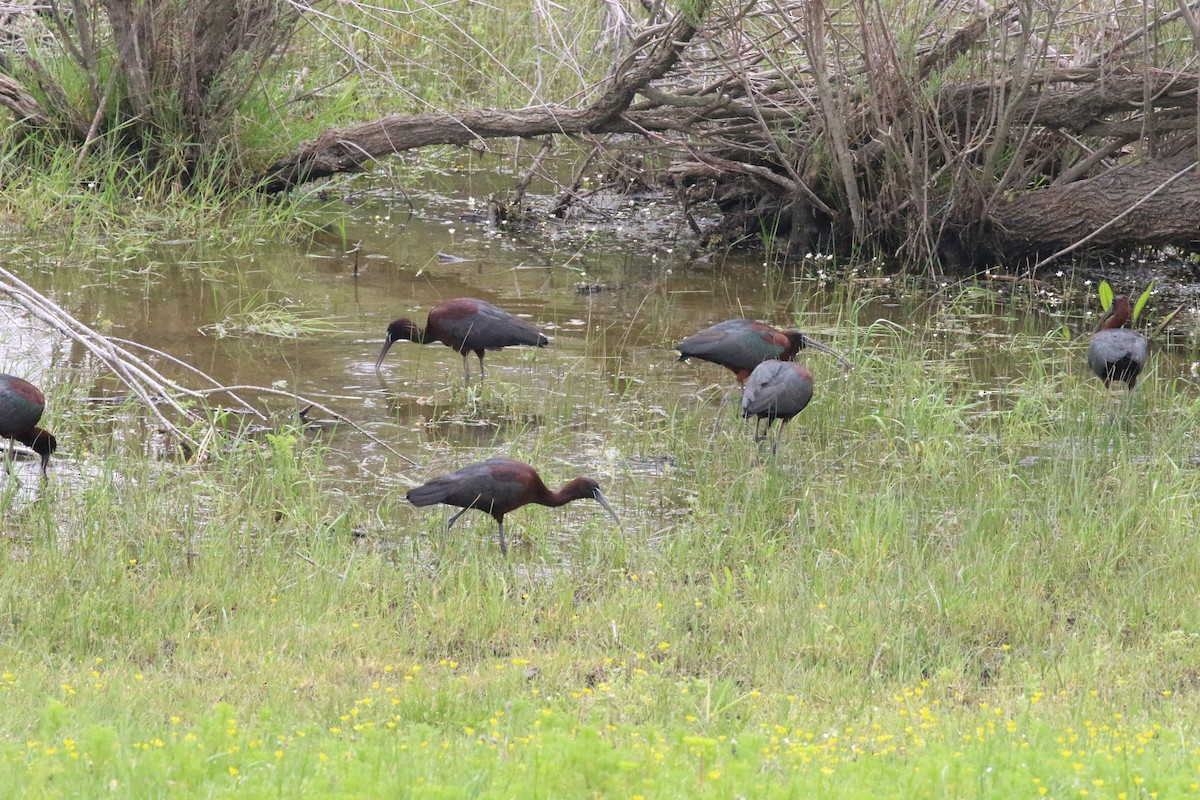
x,y
153,77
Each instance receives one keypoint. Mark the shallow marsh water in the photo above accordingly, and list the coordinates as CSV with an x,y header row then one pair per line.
x,y
613,299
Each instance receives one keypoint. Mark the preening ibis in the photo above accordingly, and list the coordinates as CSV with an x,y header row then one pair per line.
x,y
1116,353
777,390
465,325
21,407
742,344
498,486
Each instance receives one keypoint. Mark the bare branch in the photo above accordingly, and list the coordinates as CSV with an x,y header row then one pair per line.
x,y
347,149
149,385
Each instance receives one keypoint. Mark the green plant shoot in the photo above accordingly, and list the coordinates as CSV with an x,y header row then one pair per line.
x,y
1141,301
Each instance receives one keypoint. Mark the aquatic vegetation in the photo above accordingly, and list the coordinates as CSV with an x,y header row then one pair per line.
x,y
258,316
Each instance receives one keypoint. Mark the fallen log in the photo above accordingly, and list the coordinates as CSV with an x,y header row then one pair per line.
x,y
798,132
339,150
1154,204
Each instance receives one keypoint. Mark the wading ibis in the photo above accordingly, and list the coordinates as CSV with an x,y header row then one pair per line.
x,y
777,390
1116,353
21,406
465,325
742,344
498,486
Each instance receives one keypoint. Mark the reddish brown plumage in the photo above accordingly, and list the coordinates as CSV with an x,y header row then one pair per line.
x,y
740,345
465,325
21,407
498,486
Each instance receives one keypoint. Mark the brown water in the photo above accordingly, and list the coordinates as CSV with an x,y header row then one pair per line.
x,y
613,300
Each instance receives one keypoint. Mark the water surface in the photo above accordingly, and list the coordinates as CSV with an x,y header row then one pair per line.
x,y
614,299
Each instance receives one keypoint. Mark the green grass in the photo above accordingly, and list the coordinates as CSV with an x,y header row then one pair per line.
x,y
110,204
409,57
933,591
258,315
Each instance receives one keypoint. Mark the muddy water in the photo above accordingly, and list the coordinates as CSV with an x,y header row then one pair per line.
x,y
614,300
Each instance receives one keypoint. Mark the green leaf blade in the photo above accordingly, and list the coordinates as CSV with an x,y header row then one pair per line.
x,y
1141,301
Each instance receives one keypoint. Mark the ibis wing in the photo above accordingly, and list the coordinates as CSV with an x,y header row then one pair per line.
x,y
21,405
1118,353
776,388
485,486
1115,345
491,328
735,343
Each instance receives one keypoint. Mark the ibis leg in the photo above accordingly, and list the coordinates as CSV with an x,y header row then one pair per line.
x,y
8,456
720,409
449,525
454,519
503,544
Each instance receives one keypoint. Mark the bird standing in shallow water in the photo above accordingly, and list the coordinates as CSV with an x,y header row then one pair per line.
x,y
498,486
465,325
1116,353
777,390
21,407
742,344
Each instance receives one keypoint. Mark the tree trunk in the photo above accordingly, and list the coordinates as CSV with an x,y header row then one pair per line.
x,y
1144,203
1047,157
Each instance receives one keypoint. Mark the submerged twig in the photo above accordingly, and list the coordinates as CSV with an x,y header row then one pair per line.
x,y
148,384
198,372
139,376
310,404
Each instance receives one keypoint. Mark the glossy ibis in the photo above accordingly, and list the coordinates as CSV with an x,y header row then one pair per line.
x,y
498,486
465,325
742,344
777,390
21,406
1116,353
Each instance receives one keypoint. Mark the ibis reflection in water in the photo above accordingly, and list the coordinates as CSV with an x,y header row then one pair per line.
x,y
465,325
498,486
21,407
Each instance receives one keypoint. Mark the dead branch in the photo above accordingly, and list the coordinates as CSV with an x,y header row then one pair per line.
x,y
571,192
24,106
347,149
517,197
152,388
1127,212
